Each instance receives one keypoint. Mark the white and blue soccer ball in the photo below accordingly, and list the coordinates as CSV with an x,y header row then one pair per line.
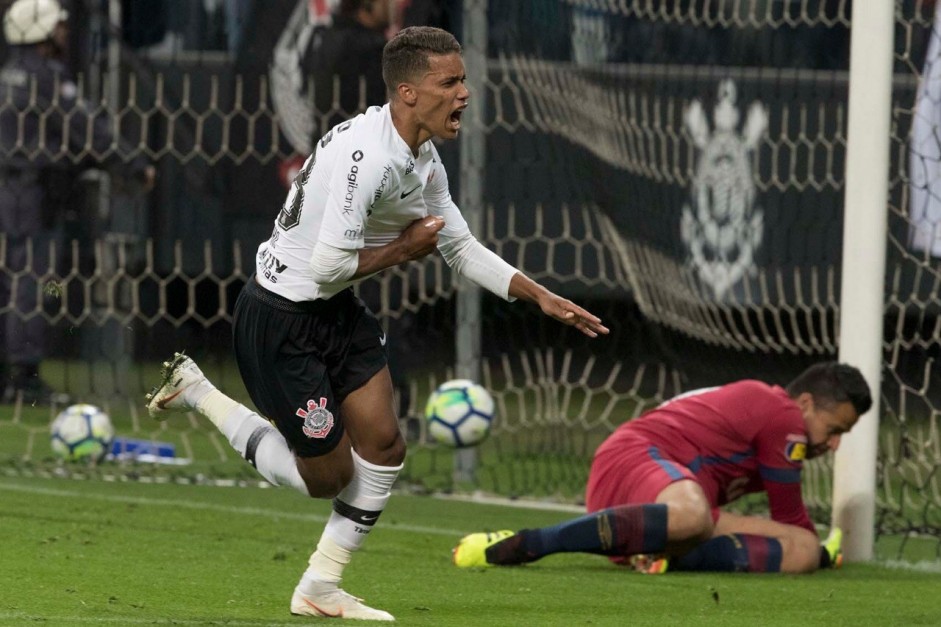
x,y
459,413
81,433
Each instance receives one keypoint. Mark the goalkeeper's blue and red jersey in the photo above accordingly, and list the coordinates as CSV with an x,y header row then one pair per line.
x,y
736,439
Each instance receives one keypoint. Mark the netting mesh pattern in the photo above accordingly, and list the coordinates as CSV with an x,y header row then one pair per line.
x,y
678,167
726,13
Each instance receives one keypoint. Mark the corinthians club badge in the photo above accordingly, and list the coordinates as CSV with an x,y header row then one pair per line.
x,y
721,227
317,419
290,98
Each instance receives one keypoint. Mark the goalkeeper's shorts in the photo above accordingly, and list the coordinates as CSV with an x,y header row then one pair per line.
x,y
633,472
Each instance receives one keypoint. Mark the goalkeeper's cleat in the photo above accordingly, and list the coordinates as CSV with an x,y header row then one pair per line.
x,y
484,549
326,600
658,566
649,564
182,385
833,545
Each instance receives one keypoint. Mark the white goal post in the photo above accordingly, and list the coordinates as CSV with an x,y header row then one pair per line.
x,y
865,224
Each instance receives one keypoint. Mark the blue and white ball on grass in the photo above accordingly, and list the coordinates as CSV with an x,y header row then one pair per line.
x,y
459,413
82,433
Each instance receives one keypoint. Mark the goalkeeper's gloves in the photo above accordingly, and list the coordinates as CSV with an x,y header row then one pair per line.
x,y
831,550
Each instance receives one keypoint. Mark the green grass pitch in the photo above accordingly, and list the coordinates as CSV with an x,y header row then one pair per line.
x,y
129,553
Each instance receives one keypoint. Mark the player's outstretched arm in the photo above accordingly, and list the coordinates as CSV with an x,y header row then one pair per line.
x,y
553,305
418,240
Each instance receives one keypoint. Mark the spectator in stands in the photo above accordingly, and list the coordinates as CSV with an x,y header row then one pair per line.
x,y
657,483
44,129
347,55
374,195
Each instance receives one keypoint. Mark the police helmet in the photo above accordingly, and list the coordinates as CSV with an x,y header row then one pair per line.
x,y
32,21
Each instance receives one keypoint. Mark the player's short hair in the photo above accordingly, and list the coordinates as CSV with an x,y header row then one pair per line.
x,y
830,382
405,57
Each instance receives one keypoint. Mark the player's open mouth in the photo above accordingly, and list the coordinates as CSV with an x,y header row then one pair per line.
x,y
455,118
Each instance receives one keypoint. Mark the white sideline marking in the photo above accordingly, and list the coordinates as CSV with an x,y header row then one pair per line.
x,y
502,501
923,566
227,509
126,620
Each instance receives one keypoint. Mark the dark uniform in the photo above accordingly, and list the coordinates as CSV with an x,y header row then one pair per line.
x,y
45,139
350,52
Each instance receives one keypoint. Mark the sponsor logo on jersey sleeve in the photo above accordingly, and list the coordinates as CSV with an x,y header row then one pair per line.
x,y
351,186
796,451
386,174
351,183
796,448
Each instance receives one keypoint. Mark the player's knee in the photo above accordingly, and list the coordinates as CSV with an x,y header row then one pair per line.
x,y
800,552
689,523
384,451
325,488
395,454
325,481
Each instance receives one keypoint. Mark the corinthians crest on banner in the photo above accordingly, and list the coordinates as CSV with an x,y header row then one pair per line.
x,y
291,101
721,226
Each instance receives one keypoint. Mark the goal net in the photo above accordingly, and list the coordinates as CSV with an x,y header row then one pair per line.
x,y
676,167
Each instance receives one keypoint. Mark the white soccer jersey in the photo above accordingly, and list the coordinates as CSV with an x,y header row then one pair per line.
x,y
360,189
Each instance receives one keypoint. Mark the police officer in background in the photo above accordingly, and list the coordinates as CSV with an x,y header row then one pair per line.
x,y
44,127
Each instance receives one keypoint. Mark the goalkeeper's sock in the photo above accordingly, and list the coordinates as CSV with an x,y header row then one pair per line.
x,y
738,552
355,510
255,439
622,530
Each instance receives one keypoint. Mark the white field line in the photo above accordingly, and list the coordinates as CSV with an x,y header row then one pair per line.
x,y
225,509
19,618
484,499
922,566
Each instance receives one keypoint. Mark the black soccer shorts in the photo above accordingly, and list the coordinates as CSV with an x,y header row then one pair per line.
x,y
299,360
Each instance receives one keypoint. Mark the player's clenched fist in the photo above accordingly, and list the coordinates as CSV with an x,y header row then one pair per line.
x,y
420,238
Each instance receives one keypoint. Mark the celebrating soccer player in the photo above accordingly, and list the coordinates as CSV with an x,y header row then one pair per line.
x,y
657,483
373,195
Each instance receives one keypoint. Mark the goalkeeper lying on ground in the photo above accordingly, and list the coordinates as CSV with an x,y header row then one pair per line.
x,y
657,483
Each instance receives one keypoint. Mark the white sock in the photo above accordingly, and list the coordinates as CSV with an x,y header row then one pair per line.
x,y
355,511
255,439
213,405
196,394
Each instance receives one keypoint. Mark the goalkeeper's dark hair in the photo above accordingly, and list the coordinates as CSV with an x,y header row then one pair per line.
x,y
831,383
405,57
